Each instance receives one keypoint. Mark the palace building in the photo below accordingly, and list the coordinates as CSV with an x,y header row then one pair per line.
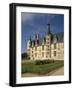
x,y
49,47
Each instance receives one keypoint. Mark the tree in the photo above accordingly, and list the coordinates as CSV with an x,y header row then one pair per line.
x,y
25,56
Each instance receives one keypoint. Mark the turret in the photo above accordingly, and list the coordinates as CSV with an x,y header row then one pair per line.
x,y
48,34
36,37
55,39
29,43
48,41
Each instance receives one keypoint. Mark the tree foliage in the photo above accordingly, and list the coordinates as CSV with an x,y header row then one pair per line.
x,y
25,56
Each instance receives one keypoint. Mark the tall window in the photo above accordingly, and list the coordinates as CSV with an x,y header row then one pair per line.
x,y
55,46
48,47
54,53
35,54
42,54
42,47
48,53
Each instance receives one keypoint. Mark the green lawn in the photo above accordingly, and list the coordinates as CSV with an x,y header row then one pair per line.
x,y
31,67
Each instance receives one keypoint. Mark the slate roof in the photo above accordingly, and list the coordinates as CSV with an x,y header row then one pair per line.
x,y
59,37
41,40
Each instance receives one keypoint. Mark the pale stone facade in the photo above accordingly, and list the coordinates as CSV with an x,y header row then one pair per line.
x,y
51,47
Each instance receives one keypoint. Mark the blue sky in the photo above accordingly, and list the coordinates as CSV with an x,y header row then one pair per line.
x,y
32,23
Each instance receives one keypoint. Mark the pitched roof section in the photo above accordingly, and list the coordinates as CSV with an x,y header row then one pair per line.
x,y
59,37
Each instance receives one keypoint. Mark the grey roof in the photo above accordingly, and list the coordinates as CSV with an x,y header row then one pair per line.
x,y
41,40
59,37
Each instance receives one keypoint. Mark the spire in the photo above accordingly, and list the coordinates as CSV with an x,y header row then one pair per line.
x,y
48,29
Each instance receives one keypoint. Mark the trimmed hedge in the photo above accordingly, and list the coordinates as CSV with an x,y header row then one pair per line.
x,y
39,62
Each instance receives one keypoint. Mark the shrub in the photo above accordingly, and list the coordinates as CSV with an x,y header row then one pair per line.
x,y
40,62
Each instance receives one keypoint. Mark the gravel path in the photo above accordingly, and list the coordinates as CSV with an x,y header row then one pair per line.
x,y
59,71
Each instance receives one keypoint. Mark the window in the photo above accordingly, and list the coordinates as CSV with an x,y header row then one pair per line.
x,y
47,43
42,47
48,38
46,56
54,53
48,47
55,46
32,55
42,54
47,53
35,54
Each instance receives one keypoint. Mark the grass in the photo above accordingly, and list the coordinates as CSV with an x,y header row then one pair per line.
x,y
31,67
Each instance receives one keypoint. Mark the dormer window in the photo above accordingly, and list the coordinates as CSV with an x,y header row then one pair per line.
x,y
55,39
